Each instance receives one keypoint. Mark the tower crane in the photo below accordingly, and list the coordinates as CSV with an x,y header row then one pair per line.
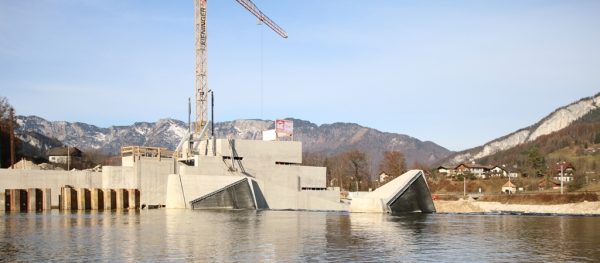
x,y
201,83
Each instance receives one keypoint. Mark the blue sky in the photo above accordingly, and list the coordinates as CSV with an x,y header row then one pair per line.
x,y
459,73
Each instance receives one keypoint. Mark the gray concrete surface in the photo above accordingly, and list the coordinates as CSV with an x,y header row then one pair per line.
x,y
25,179
406,193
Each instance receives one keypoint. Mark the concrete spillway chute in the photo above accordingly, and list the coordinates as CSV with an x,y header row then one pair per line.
x,y
409,192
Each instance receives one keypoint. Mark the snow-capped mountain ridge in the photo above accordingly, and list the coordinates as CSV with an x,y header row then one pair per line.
x,y
326,138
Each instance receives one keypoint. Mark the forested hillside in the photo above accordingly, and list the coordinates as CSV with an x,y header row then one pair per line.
x,y
579,144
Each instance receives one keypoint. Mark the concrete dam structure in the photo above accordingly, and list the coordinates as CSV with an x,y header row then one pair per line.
x,y
229,174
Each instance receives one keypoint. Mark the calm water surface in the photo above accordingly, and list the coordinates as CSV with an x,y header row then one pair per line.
x,y
206,236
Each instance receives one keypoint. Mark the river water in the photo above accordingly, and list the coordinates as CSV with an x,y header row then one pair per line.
x,y
284,236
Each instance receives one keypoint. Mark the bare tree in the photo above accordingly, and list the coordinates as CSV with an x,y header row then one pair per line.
x,y
393,164
419,166
335,171
7,127
357,167
313,159
4,109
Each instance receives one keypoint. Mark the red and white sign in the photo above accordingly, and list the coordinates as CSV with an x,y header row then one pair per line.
x,y
284,128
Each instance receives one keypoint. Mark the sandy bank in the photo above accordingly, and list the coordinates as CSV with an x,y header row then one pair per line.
x,y
584,208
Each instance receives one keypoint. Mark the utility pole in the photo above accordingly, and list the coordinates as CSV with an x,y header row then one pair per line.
x,y
1,147
68,158
464,186
11,128
561,178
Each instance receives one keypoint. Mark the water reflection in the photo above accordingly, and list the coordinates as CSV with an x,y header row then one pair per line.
x,y
184,235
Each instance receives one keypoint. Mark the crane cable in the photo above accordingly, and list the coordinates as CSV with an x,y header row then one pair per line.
x,y
261,69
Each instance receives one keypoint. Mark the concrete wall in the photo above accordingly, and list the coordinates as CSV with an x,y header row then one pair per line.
x,y
321,200
209,165
127,161
310,176
152,176
158,182
24,179
273,151
280,184
149,175
119,177
2,202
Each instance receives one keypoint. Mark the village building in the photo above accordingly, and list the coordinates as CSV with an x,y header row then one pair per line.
x,y
446,170
567,169
480,171
503,171
65,155
548,184
498,171
509,188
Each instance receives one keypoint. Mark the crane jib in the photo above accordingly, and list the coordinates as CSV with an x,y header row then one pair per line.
x,y
201,34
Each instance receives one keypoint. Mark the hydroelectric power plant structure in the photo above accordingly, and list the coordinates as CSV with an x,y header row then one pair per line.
x,y
241,174
205,172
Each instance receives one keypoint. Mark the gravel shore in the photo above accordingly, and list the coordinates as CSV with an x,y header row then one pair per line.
x,y
470,206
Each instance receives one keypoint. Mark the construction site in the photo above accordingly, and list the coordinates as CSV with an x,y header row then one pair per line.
x,y
205,172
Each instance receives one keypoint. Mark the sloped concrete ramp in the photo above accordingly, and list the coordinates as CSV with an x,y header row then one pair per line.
x,y
405,194
238,195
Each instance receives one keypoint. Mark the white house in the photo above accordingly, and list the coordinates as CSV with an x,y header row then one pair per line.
x,y
567,169
509,188
445,169
475,169
502,171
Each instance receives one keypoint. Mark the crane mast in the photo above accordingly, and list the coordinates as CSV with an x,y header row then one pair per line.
x,y
201,83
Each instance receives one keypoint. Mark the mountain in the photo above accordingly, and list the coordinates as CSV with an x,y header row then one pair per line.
x,y
578,144
339,137
558,120
326,138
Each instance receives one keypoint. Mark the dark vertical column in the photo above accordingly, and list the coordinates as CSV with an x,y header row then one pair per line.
x,y
23,200
6,204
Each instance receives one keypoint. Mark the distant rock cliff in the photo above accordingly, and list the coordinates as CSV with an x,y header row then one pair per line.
x,y
556,121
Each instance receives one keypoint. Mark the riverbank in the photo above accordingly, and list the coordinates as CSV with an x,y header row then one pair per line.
x,y
471,206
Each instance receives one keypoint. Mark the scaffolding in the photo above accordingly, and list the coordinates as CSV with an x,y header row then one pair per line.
x,y
149,152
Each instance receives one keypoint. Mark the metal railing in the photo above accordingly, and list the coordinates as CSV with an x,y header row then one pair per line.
x,y
143,151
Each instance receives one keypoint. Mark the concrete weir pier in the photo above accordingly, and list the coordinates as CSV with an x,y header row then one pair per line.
x,y
98,199
23,200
